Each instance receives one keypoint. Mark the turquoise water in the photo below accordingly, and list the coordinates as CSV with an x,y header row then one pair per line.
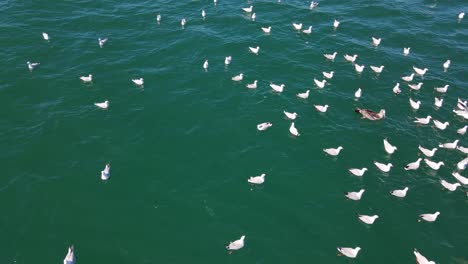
x,y
182,147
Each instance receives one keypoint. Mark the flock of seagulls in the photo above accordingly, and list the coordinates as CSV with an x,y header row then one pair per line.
x,y
461,110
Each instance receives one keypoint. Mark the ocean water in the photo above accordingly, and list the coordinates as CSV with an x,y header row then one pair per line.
x,y
182,147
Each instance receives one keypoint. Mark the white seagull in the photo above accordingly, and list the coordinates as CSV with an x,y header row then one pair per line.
x,y
389,148
45,36
420,259
321,108
460,178
450,145
377,69
440,125
312,5
254,50
400,193
358,172
383,167
359,68
254,16
257,179
330,56
277,88
227,60
88,78
328,75
297,26
463,150
203,14
205,65
450,186
293,130
336,24
438,102
158,18
413,165
358,93
462,130
376,41
434,165
446,65
238,78
105,174
32,65
408,78
183,22
307,31
350,58
102,42
406,51
236,245
427,152
70,257
415,105
304,95
462,164
333,151
429,217
349,252
266,29
291,116
320,84
138,82
420,71
461,15
356,196
368,219
103,105
423,120
415,87
442,89
248,9
396,89
264,126
252,85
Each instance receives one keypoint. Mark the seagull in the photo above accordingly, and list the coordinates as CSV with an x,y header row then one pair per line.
x,y
377,69
307,31
463,114
420,259
414,105
105,174
462,105
238,78
102,42
293,130
420,71
257,179
138,82
406,51
183,22
463,150
297,26
254,50
70,257
330,56
158,18
321,108
291,116
462,130
388,147
415,87
451,145
450,186
277,88
359,68
350,58
358,93
427,152
266,29
422,120
396,89
442,89
328,75
227,60
446,65
376,41
248,9
253,16
320,84
103,105
88,78
358,172
368,219
264,126
203,14
349,252
304,95
45,36
236,245
215,1
413,165
336,24
252,85
434,165
333,151
429,217
383,167
461,15
315,4
32,65
369,114
400,193
205,65
356,196
408,78
440,125
460,178
462,164
438,102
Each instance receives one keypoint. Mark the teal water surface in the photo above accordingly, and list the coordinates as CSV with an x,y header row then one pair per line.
x,y
182,147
